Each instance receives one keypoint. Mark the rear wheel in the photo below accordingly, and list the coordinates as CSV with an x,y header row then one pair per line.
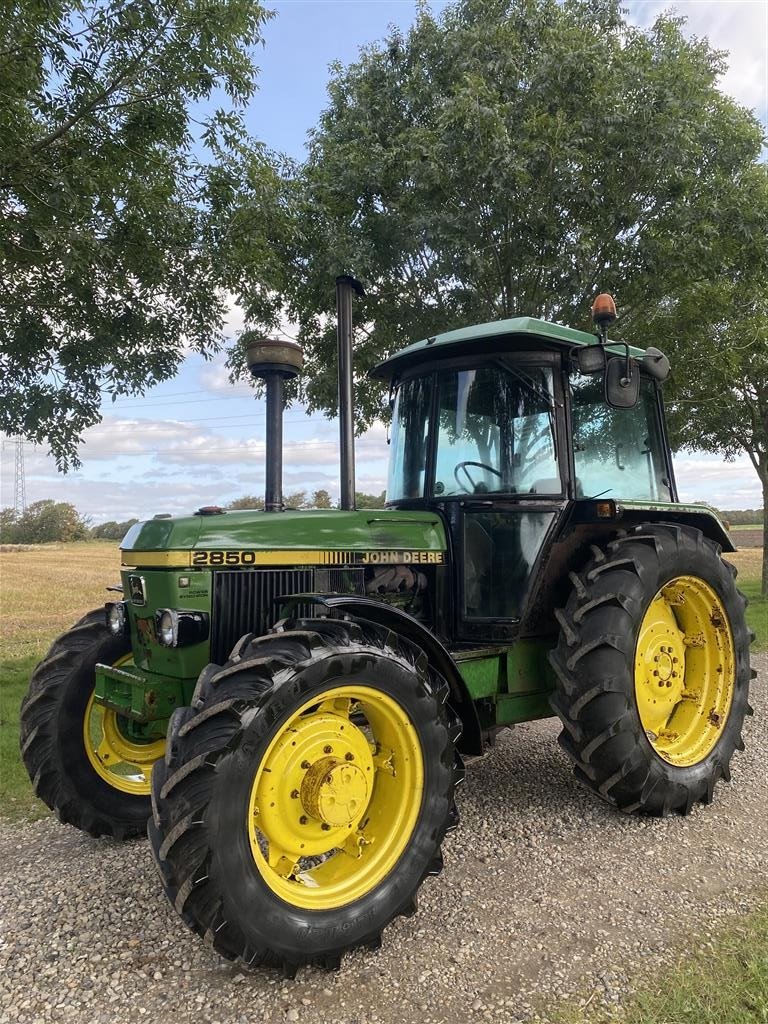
x,y
653,670
82,760
306,796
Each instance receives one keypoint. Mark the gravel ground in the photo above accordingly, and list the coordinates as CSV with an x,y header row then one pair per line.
x,y
547,894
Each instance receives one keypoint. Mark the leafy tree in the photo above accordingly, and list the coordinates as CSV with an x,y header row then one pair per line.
x,y
9,529
43,522
719,397
513,157
363,500
112,199
247,501
294,499
321,499
112,530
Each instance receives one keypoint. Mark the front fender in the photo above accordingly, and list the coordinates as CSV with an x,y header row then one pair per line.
x,y
400,622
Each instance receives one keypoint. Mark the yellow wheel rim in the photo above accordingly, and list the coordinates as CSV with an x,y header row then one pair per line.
x,y
123,763
335,800
684,671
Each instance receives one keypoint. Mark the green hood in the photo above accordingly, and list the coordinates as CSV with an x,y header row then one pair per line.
x,y
279,538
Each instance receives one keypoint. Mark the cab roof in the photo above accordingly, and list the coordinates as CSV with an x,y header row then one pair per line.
x,y
521,331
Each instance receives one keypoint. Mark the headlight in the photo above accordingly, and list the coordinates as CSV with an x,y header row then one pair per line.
x,y
167,628
116,618
179,629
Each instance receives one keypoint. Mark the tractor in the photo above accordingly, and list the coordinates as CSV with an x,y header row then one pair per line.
x,y
283,699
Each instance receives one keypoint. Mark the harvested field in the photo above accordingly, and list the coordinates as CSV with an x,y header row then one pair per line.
x,y
751,537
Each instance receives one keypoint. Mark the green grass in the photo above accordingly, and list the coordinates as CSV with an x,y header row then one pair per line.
x,y
757,612
17,801
726,982
746,526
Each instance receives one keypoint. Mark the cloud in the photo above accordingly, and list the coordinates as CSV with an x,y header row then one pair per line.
x,y
739,27
710,478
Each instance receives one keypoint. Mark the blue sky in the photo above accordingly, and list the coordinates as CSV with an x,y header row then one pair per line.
x,y
200,440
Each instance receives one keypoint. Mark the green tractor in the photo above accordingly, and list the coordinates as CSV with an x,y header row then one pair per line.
x,y
287,696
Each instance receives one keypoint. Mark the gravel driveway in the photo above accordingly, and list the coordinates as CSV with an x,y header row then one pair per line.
x,y
546,893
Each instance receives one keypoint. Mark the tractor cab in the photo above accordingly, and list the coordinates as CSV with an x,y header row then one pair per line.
x,y
508,431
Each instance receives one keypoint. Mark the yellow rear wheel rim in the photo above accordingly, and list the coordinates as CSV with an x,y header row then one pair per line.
x,y
336,798
123,763
684,671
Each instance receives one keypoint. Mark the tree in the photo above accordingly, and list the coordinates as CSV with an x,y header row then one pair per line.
x,y
719,394
363,500
9,527
295,499
513,157
112,530
320,499
112,200
43,522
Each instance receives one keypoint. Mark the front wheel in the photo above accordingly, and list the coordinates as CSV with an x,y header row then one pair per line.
x,y
306,795
82,759
653,670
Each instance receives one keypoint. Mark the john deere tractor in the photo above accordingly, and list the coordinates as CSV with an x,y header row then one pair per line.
x,y
287,695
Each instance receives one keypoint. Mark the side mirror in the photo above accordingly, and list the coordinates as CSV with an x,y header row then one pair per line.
x,y
591,359
622,391
656,364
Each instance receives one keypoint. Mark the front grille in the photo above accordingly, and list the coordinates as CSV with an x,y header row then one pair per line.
x,y
243,599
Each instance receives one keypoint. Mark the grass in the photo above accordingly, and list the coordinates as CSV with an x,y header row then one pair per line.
x,y
749,563
745,526
725,981
44,591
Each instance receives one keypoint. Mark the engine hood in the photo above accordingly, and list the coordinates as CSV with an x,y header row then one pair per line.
x,y
319,536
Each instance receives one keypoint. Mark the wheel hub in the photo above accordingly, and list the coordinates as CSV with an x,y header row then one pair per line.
x,y
335,797
684,670
334,791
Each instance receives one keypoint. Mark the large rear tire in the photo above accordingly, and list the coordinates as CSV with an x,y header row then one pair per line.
x,y
80,760
306,795
653,670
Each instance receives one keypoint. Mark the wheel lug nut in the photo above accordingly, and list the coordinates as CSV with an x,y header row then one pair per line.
x,y
303,819
305,765
328,749
325,827
349,757
294,794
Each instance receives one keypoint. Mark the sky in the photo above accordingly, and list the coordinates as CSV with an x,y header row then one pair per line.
x,y
199,440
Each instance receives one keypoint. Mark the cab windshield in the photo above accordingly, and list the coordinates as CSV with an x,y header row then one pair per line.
x,y
495,428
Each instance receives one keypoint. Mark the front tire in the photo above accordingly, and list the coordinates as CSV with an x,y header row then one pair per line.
x,y
653,673
306,796
79,759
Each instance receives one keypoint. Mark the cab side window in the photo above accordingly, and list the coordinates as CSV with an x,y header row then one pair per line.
x,y
617,452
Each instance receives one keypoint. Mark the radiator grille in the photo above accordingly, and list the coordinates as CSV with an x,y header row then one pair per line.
x,y
243,602
243,599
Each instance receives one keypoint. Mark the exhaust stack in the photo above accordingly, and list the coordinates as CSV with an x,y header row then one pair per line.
x,y
345,286
274,361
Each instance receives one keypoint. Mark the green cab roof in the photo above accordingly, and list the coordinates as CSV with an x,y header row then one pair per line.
x,y
520,331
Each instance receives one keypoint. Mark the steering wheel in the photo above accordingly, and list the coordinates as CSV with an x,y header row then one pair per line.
x,y
462,467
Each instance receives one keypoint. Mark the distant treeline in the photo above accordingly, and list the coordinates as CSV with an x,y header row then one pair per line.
x,y
742,517
47,521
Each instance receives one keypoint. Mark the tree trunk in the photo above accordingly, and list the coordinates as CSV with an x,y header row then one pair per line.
x,y
764,588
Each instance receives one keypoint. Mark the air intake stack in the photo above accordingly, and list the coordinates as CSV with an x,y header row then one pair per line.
x,y
275,361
